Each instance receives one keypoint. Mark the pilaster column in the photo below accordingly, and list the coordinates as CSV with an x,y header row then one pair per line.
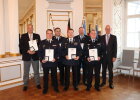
x,y
107,14
2,44
13,26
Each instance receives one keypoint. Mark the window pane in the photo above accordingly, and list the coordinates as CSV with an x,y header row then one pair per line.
x,y
133,40
133,25
133,33
133,7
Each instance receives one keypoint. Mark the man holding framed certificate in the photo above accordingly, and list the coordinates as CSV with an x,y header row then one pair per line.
x,y
48,54
93,54
29,43
72,52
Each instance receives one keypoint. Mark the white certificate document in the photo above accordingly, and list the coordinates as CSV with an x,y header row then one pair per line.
x,y
49,54
93,54
71,53
33,45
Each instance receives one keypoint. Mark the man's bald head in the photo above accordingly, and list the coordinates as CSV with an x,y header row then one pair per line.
x,y
30,28
108,29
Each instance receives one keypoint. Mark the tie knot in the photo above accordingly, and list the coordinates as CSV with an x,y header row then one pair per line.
x,y
49,41
70,40
57,38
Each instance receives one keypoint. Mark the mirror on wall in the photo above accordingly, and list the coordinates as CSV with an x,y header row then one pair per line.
x,y
26,10
93,15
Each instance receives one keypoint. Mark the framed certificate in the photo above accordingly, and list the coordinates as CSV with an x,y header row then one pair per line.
x,y
71,53
73,56
93,54
92,58
33,45
46,58
49,54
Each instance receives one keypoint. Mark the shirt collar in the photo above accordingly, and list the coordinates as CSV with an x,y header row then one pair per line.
x,y
49,39
93,39
108,34
81,36
70,39
30,33
57,36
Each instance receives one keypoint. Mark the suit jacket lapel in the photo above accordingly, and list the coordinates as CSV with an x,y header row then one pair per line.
x,y
105,39
28,37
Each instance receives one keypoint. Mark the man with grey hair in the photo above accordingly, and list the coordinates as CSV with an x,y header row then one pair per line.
x,y
30,56
109,42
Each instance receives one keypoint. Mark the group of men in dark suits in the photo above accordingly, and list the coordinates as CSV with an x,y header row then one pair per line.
x,y
105,45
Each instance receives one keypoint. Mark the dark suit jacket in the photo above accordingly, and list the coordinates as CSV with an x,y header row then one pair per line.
x,y
85,41
65,47
110,50
46,45
60,51
24,47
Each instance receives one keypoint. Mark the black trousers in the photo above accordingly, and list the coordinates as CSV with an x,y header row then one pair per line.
x,y
90,67
61,69
53,77
107,64
82,64
74,75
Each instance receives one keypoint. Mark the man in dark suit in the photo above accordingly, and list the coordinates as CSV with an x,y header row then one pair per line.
x,y
49,44
93,43
30,57
83,40
60,40
71,61
109,43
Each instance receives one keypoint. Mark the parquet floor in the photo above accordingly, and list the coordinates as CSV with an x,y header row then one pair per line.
x,y
125,89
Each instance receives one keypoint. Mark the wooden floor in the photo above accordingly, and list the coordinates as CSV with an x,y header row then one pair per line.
x,y
125,89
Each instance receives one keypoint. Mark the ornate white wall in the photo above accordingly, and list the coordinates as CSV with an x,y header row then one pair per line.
x,y
118,22
76,6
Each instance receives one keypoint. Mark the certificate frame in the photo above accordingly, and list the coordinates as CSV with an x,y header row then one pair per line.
x,y
49,54
73,56
46,58
93,54
33,45
71,51
92,58
32,48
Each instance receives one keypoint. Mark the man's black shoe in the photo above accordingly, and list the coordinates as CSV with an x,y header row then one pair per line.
x,y
38,87
65,89
44,91
111,86
103,84
25,88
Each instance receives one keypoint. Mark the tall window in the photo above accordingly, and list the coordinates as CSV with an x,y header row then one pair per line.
x,y
133,24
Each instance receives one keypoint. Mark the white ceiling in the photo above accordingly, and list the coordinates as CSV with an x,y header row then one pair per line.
x,y
93,2
24,5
